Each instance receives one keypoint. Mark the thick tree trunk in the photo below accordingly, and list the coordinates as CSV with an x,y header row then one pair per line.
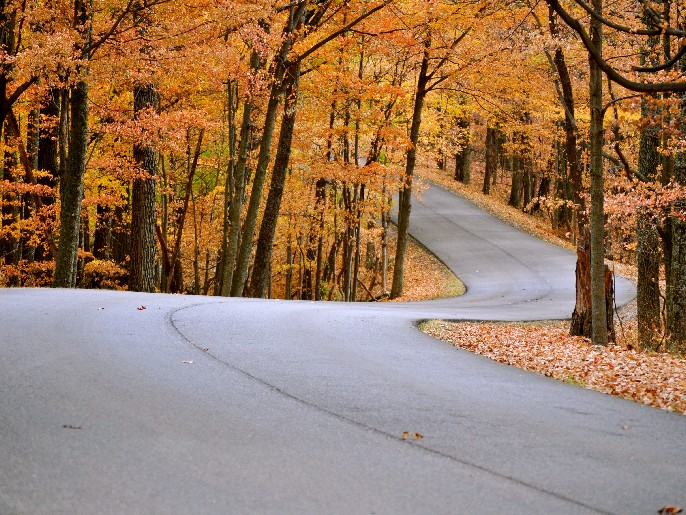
x,y
265,241
648,290
600,334
71,183
243,261
675,264
582,317
143,214
405,194
71,188
528,184
676,291
648,249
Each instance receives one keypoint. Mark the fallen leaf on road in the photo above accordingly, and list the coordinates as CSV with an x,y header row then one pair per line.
x,y
418,436
669,509
406,435
141,308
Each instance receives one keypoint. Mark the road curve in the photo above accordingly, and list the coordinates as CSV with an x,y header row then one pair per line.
x,y
207,405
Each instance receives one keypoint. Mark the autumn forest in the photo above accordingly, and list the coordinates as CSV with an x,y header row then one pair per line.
x,y
257,148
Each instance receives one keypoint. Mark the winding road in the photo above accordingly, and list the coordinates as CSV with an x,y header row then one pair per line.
x,y
213,405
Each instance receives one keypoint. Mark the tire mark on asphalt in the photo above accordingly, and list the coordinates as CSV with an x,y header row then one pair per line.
x,y
169,318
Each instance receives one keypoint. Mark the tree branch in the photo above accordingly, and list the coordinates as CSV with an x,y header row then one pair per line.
x,y
337,33
664,66
642,87
629,30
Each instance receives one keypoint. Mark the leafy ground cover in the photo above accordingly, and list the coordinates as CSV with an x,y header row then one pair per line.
x,y
655,379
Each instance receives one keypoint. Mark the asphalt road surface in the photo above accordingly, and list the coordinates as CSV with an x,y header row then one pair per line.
x,y
212,405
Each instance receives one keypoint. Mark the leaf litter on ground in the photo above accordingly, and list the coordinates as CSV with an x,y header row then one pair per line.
x,y
654,379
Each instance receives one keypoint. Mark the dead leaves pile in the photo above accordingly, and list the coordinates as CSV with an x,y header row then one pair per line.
x,y
425,276
658,380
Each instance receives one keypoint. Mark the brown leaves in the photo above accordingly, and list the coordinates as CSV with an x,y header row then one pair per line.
x,y
669,509
416,436
141,308
657,380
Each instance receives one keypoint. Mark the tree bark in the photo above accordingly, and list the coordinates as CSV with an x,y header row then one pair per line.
x,y
491,158
230,254
573,169
582,317
71,188
265,241
243,262
71,184
599,326
676,291
143,214
648,250
463,160
405,194
517,186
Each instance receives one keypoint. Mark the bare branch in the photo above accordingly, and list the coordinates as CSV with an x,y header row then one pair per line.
x,y
629,84
344,29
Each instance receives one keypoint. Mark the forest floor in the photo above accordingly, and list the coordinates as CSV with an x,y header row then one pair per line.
x,y
620,369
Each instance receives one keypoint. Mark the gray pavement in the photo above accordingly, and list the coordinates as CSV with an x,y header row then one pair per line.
x,y
208,405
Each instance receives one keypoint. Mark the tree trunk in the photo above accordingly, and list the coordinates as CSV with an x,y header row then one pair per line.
x,y
243,262
321,205
229,187
573,170
71,188
71,184
528,184
491,158
230,253
582,317
175,254
463,164
265,241
648,248
517,180
143,214
676,292
600,334
405,194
